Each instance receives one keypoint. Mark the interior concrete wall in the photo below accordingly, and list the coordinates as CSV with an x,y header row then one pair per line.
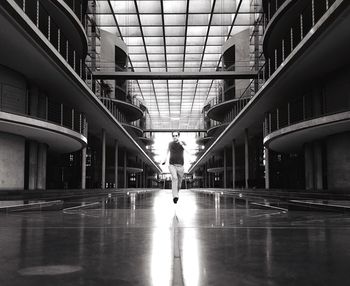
x,y
338,161
12,91
12,150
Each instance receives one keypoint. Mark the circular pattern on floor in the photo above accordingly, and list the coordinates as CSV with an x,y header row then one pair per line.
x,y
49,270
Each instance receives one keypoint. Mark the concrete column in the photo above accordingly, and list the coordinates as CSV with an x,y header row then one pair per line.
x,y
233,163
33,165
225,168
246,158
144,175
309,170
12,158
116,149
42,158
125,181
267,168
83,168
103,159
318,170
338,163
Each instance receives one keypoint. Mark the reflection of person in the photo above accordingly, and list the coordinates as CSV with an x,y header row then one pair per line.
x,y
176,163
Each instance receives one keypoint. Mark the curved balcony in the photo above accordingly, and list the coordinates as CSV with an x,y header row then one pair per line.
x,y
289,127
273,7
68,18
226,110
203,140
134,128
129,111
216,127
61,127
284,34
146,140
40,22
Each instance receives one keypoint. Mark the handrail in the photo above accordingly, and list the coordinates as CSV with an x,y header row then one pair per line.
x,y
52,31
53,112
292,112
296,31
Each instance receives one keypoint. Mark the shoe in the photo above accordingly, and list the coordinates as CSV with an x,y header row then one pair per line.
x,y
175,200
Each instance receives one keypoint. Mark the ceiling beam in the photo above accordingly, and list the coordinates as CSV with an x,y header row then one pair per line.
x,y
176,75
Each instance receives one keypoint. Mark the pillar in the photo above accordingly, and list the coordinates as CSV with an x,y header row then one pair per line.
x,y
318,169
267,168
246,158
33,165
225,168
233,163
124,169
42,159
103,174
116,149
309,170
83,168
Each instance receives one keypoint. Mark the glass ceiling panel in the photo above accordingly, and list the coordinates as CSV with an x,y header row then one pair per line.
x,y
198,19
126,20
151,20
149,6
200,6
190,45
225,6
171,6
152,31
175,41
122,6
175,20
175,31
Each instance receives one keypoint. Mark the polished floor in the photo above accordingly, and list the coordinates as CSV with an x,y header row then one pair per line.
x,y
144,239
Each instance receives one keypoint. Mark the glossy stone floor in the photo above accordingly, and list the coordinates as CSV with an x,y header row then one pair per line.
x,y
139,239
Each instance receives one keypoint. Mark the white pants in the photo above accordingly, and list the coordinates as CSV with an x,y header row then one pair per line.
x,y
177,173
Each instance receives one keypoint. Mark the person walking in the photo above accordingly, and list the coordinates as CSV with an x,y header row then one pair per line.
x,y
176,163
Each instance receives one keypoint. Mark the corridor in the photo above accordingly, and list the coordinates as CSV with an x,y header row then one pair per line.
x,y
142,238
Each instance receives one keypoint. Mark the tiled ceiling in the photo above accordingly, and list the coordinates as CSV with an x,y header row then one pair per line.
x,y
175,36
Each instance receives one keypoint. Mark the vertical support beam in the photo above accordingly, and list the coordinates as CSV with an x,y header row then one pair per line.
x,y
267,168
116,149
246,158
33,165
83,168
233,163
42,159
225,168
103,160
318,178
125,157
309,170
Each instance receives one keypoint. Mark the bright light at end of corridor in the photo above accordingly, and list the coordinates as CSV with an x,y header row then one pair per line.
x,y
160,146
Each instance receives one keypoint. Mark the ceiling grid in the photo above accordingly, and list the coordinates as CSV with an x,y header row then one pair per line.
x,y
174,36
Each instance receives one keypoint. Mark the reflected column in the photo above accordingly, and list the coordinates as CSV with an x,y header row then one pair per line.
x,y
233,163
246,158
83,168
116,149
103,172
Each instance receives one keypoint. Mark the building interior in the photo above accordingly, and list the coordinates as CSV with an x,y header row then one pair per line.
x,y
91,92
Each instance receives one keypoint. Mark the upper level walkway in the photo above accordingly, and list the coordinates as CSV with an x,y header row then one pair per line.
x,y
136,237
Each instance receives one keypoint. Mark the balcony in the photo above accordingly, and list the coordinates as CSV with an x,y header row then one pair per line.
x,y
61,127
291,125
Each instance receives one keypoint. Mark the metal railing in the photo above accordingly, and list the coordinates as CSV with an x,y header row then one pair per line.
x,y
38,14
296,31
53,112
295,111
